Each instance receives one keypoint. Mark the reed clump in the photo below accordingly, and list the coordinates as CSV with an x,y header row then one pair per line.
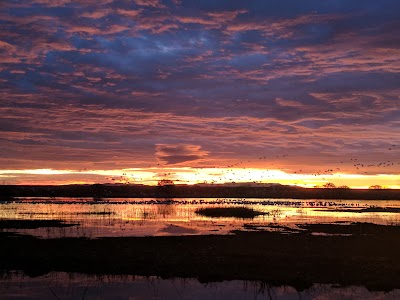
x,y
229,212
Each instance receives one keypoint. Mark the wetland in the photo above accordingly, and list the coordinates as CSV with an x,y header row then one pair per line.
x,y
277,243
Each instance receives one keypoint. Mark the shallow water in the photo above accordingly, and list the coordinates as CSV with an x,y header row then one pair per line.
x,y
153,217
78,286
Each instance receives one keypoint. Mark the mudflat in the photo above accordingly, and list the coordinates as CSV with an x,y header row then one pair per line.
x,y
368,257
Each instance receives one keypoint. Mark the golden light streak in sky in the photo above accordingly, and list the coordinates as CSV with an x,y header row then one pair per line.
x,y
150,176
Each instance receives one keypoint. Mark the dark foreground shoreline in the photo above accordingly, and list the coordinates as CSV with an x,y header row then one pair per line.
x,y
299,260
101,191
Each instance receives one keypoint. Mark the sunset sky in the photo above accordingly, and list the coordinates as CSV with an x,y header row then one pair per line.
x,y
296,92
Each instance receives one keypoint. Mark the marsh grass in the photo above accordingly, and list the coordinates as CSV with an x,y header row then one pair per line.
x,y
229,212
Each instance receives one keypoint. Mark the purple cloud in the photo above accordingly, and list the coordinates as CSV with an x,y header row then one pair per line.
x,y
101,82
176,154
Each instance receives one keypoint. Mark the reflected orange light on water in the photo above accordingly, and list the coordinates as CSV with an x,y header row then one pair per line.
x,y
147,216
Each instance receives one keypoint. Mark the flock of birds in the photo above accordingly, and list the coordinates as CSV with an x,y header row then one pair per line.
x,y
240,171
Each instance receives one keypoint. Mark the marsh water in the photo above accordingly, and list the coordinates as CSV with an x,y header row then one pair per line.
x,y
154,217
94,218
77,286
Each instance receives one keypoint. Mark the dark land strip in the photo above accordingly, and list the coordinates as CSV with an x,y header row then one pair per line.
x,y
33,224
369,259
365,210
99,191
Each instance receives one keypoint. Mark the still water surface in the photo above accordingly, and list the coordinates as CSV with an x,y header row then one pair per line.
x,y
155,217
78,286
